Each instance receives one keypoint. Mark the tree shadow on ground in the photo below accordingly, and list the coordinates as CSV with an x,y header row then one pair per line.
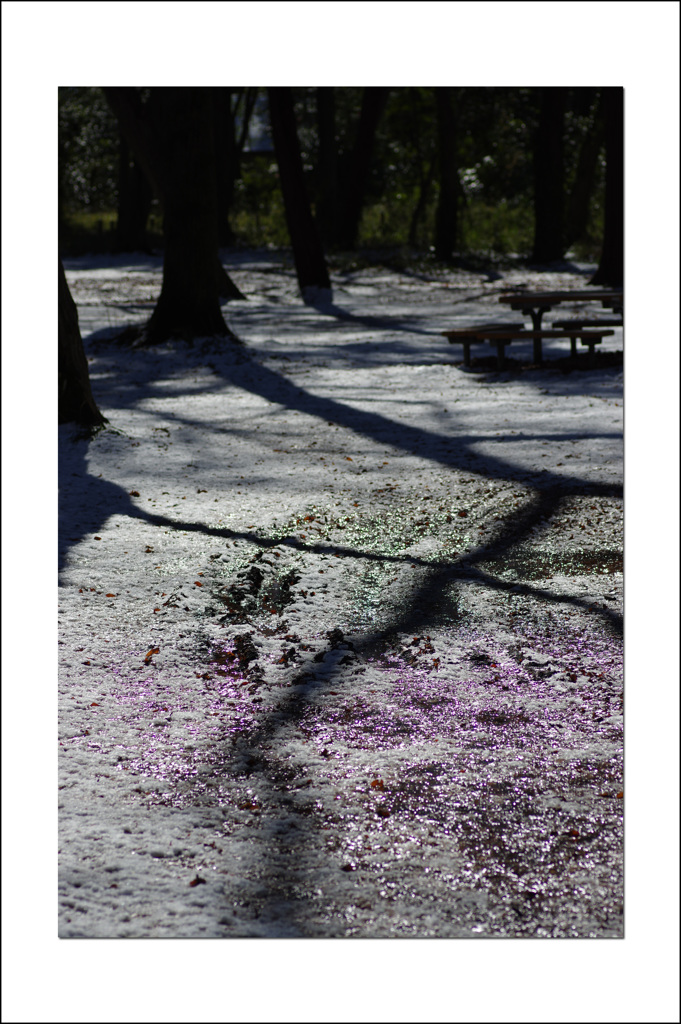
x,y
86,507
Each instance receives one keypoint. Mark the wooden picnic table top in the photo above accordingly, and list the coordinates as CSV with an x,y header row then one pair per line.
x,y
554,298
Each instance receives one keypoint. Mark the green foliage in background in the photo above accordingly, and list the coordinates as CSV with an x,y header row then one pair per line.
x,y
495,133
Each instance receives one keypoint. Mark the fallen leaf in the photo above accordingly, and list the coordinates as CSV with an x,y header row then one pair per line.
x,y
348,459
377,784
197,881
98,538
197,584
620,795
110,595
134,494
462,514
94,704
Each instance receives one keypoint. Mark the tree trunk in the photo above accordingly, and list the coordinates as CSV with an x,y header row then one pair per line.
x,y
134,204
328,194
226,161
76,404
611,267
313,276
174,141
189,304
585,178
446,216
356,172
425,188
549,178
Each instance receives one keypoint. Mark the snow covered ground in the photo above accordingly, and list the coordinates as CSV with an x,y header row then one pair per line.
x,y
340,621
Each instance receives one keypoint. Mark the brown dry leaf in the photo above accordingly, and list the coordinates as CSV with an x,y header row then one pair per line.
x,y
134,494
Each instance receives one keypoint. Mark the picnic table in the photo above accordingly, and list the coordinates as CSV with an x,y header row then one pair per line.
x,y
535,304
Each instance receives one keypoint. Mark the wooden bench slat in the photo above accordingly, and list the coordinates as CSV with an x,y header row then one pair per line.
x,y
602,322
501,337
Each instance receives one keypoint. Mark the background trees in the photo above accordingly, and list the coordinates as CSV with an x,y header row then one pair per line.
x,y
457,173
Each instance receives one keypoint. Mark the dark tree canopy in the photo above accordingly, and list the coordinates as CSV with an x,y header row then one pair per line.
x,y
477,171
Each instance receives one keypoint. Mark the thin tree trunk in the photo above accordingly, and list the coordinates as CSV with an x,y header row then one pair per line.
x,y
356,172
313,276
327,208
447,213
134,204
585,178
425,189
549,178
226,161
611,267
76,403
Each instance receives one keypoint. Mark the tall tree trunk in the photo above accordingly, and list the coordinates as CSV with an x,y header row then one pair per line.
x,y
585,178
76,404
189,304
446,216
226,161
313,276
549,178
611,267
328,196
425,188
134,204
356,172
174,141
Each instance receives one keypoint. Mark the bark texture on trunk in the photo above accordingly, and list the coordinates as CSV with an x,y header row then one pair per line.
x,y
447,213
313,276
356,170
76,403
174,141
611,267
328,197
585,179
549,178
134,203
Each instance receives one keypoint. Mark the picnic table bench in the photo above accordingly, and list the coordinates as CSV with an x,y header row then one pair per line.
x,y
501,335
535,304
